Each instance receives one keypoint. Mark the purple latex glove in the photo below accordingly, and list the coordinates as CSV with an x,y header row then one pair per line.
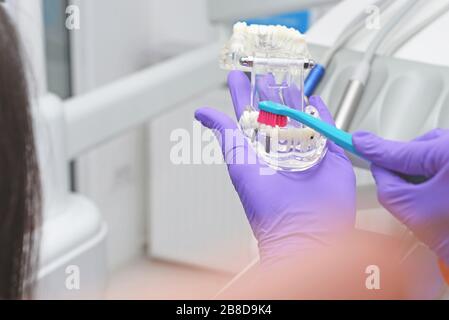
x,y
424,208
289,212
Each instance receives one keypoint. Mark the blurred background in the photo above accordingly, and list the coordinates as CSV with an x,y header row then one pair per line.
x,y
172,231
120,216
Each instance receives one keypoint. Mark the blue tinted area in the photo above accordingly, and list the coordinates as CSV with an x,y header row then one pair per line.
x,y
297,20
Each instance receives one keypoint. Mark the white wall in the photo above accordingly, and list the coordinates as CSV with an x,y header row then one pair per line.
x,y
116,39
179,22
29,20
113,41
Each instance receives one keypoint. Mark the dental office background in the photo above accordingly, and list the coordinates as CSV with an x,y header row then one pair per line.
x,y
114,81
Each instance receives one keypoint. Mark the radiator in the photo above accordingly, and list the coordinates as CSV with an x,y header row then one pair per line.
x,y
195,216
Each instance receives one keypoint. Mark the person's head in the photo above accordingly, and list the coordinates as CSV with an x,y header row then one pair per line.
x,y
19,177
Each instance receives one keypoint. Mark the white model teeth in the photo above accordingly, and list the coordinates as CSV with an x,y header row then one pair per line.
x,y
284,135
253,39
248,120
307,139
264,30
299,46
239,28
302,138
238,38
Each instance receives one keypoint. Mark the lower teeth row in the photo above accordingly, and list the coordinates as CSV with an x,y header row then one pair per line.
x,y
304,137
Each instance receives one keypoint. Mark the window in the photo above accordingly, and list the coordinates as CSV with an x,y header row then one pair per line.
x,y
57,47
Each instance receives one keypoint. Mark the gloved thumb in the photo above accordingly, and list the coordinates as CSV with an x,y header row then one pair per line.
x,y
214,119
228,135
405,157
392,191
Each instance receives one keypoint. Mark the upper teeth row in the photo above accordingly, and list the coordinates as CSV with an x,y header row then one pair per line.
x,y
253,38
279,31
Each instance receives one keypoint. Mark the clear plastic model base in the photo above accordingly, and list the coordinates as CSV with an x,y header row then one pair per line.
x,y
276,58
291,148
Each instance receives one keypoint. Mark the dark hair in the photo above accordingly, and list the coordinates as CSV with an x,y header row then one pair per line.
x,y
20,192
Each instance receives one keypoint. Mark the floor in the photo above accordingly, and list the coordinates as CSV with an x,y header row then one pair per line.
x,y
145,279
154,280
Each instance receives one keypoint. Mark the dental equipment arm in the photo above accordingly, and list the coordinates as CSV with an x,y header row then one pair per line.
x,y
353,28
289,212
317,73
394,46
356,86
423,208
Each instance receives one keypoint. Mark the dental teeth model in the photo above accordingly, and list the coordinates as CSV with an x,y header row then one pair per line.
x,y
277,59
262,41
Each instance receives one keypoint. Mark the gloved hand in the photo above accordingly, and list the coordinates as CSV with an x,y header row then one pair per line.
x,y
424,208
289,212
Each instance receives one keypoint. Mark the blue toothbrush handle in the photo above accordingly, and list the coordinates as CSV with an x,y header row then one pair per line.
x,y
313,79
339,137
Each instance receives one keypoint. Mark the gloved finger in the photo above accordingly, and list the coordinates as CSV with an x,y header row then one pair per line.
x,y
433,134
233,143
412,158
386,179
214,119
390,188
292,97
240,89
326,116
324,112
222,125
267,89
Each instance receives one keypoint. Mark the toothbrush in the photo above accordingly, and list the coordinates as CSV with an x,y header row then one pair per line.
x,y
274,114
